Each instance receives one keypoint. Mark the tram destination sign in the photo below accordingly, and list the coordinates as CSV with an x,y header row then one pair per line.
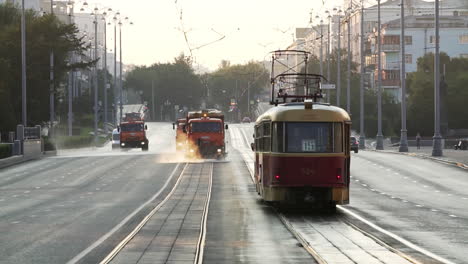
x,y
328,86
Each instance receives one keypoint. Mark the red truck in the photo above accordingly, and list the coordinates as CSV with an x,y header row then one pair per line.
x,y
133,135
205,133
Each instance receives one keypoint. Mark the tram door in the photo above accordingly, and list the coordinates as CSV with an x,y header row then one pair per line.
x,y
347,136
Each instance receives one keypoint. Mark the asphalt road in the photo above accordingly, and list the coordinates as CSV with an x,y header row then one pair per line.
x,y
421,201
53,209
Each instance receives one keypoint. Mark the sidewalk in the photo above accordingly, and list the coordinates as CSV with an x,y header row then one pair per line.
x,y
450,156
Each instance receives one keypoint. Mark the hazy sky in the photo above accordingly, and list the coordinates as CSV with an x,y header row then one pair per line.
x,y
251,28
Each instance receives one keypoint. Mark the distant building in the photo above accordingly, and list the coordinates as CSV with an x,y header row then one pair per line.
x,y
419,40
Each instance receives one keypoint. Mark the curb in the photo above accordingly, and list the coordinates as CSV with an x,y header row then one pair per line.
x,y
412,154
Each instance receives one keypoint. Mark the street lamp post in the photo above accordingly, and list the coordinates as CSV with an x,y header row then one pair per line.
x,y
348,86
321,47
362,137
121,65
338,71
51,78
95,78
23,66
328,51
437,139
403,134
379,144
115,67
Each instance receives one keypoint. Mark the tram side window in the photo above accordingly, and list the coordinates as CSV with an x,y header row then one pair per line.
x,y
338,137
266,137
312,137
278,137
258,138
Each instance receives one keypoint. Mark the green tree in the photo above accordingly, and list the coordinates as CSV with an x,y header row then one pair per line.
x,y
453,95
43,33
174,82
237,82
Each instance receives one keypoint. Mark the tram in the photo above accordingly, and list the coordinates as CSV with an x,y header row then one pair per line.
x,y
302,147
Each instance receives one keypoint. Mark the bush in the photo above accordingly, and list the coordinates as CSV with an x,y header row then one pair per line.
x,y
78,141
5,150
48,144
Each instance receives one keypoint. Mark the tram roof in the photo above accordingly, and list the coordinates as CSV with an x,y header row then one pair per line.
x,y
296,112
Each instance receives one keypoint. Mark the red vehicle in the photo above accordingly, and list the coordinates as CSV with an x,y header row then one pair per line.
x,y
133,135
205,133
181,136
303,154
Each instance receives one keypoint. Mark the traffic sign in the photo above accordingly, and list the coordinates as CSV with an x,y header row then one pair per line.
x,y
328,86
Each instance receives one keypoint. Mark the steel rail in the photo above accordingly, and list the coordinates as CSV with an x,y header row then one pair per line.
x,y
201,239
129,237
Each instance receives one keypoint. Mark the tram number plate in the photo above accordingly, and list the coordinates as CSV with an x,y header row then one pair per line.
x,y
308,145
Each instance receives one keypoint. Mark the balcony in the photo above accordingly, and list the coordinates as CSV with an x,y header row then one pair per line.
x,y
390,83
390,47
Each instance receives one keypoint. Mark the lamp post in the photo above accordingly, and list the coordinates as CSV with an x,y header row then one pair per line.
x,y
115,19
403,133
362,137
379,144
328,50
338,72
70,78
104,18
321,47
51,80
23,66
121,64
348,86
437,139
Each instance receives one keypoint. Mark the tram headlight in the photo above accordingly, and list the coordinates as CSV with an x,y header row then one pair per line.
x,y
143,143
122,144
219,150
191,150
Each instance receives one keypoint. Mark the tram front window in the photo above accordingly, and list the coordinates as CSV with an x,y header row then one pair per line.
x,y
313,137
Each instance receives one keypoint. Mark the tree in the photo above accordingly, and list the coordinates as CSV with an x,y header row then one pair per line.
x,y
453,94
175,83
43,33
239,83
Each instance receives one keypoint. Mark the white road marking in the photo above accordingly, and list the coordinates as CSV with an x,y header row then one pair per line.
x,y
37,187
396,237
15,222
418,205
405,201
452,215
26,191
434,210
98,242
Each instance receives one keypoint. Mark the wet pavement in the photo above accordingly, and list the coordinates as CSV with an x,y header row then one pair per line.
x,y
241,228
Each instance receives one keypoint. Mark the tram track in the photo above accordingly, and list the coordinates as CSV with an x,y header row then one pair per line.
x,y
309,230
176,213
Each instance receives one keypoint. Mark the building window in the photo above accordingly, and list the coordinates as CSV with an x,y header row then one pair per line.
x,y
463,39
409,58
408,40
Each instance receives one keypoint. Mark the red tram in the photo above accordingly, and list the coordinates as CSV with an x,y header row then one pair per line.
x,y
302,147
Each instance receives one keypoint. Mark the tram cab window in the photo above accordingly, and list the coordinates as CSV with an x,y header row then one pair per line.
x,y
314,137
263,137
278,137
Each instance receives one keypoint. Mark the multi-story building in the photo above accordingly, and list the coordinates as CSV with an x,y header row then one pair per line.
x,y
28,4
419,40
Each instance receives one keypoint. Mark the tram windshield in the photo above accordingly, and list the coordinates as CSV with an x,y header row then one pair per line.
x,y
314,137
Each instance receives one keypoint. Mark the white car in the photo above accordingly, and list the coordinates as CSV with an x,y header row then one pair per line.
x,y
115,139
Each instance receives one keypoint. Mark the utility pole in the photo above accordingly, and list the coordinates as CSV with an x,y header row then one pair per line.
x,y
120,81
348,86
23,66
105,72
115,69
403,132
338,72
95,81
362,137
437,139
328,54
379,144
248,98
51,77
70,84
321,47
152,101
